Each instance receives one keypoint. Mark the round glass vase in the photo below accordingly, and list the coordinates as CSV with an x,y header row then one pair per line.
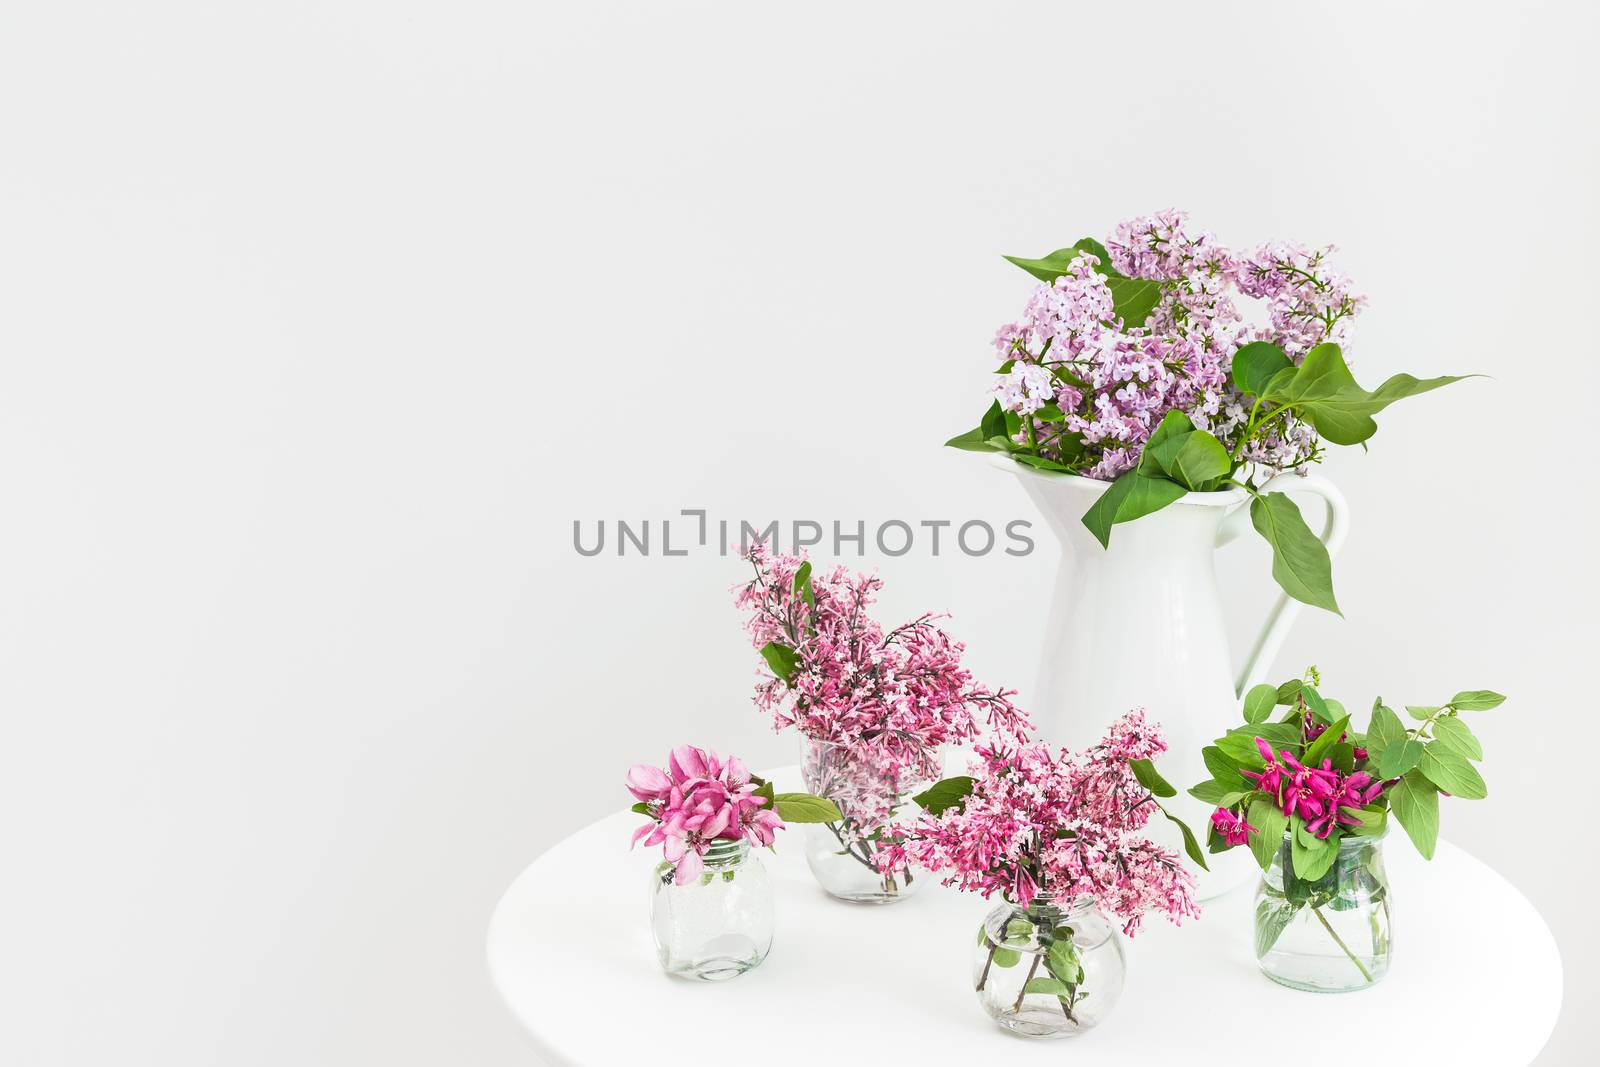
x,y
1048,970
843,856
1331,934
718,925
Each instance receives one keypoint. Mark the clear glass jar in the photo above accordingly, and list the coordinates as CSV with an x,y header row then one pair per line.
x,y
716,926
1048,970
844,855
1328,935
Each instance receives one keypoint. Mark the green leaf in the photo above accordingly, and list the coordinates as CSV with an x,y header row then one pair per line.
x,y
1270,823
1318,707
1326,395
1452,773
1300,562
1133,298
1006,957
1040,462
1049,413
1374,821
1240,745
1415,802
642,808
948,793
1222,768
1192,458
1131,496
1201,462
1455,736
1162,447
1343,756
803,807
1281,734
1399,758
1323,745
1190,845
1052,987
1386,729
781,658
763,789
995,422
1289,691
1272,918
1221,794
1476,700
1255,364
1311,857
992,425
1063,961
971,441
1259,702
1151,779
1057,263
1421,712
802,585
1089,244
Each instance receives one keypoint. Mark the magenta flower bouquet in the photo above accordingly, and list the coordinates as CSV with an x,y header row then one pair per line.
x,y
1056,833
1312,797
874,705
1133,363
711,902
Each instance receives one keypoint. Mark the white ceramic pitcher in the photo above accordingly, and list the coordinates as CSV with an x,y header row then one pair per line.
x,y
1139,624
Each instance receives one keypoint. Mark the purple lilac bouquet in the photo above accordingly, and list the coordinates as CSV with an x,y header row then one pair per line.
x,y
1036,820
875,705
1295,788
1133,364
698,799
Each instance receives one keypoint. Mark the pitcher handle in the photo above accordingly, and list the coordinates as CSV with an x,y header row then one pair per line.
x,y
1287,609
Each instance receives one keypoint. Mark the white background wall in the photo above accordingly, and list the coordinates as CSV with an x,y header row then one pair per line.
x,y
321,322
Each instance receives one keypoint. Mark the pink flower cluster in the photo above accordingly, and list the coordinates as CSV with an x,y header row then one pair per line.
x,y
893,697
1113,383
697,800
1318,795
1040,820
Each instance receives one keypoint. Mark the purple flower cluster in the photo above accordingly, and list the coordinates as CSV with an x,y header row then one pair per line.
x,y
1090,388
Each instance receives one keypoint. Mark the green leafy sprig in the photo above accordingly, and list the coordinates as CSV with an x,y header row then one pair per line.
x,y
1435,756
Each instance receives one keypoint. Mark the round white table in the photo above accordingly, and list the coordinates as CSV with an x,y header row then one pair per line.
x,y
1476,977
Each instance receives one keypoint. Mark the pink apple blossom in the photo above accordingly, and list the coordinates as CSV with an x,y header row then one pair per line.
x,y
696,800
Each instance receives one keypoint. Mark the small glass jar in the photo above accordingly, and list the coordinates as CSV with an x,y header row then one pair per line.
x,y
843,856
716,926
1048,970
1328,935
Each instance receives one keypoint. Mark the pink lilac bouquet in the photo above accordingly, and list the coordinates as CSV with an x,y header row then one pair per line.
x,y
1035,820
876,705
1132,363
698,799
893,697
